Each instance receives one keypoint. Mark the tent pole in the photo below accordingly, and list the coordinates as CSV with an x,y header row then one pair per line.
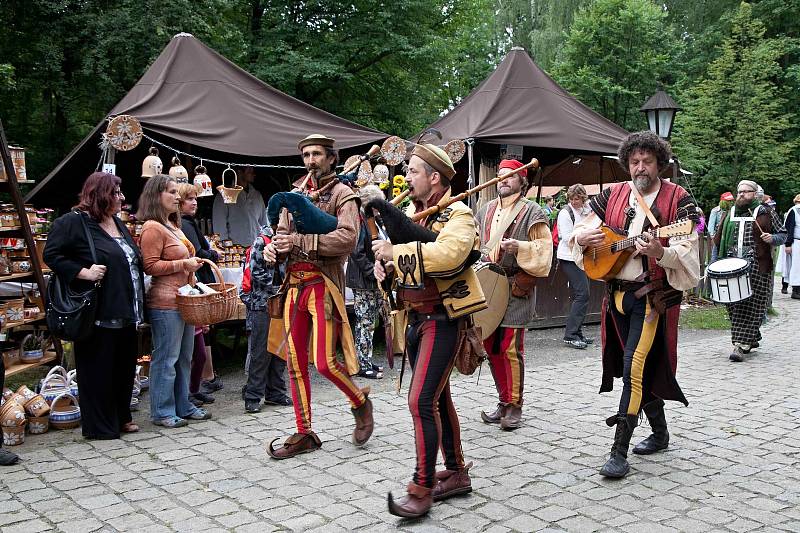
x,y
601,173
471,172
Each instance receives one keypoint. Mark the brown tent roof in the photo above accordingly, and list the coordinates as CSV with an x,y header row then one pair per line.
x,y
193,94
520,104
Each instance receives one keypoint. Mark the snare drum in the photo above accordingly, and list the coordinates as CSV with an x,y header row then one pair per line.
x,y
730,280
494,284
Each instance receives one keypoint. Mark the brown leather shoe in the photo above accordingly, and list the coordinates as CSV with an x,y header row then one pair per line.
x,y
364,421
414,504
513,417
452,483
494,418
295,445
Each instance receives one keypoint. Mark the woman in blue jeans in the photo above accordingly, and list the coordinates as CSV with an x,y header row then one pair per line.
x,y
168,257
572,213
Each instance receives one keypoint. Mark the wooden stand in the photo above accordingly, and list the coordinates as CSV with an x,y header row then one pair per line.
x,y
12,187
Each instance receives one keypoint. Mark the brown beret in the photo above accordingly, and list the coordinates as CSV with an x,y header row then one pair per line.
x,y
437,158
316,139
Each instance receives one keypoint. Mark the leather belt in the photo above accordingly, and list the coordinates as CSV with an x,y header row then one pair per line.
x,y
625,286
415,317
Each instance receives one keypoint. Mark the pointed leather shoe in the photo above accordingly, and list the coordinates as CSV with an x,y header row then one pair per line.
x,y
364,420
416,503
451,483
295,445
513,418
496,416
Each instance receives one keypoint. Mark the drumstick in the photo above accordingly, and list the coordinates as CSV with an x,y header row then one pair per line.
x,y
756,222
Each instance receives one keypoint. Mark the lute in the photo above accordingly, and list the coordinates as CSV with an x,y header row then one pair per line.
x,y
604,261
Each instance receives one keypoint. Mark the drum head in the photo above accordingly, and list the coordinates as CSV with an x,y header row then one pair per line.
x,y
728,265
495,288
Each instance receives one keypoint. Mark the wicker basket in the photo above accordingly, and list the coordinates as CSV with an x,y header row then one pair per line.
x,y
64,412
205,309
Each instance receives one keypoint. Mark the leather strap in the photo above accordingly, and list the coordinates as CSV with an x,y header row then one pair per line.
x,y
644,205
504,224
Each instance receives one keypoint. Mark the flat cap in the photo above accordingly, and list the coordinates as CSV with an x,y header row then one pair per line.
x,y
437,158
316,139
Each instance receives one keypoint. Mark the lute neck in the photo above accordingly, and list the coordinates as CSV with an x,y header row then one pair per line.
x,y
629,242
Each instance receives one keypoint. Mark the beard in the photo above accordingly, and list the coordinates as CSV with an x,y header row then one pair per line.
x,y
505,192
741,202
643,181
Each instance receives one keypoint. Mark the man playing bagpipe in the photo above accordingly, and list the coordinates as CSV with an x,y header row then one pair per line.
x,y
640,311
515,235
439,290
314,319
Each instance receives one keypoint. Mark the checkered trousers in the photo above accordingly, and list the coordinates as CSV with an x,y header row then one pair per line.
x,y
746,316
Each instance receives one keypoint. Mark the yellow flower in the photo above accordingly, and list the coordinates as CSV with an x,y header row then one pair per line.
x,y
396,191
399,181
384,185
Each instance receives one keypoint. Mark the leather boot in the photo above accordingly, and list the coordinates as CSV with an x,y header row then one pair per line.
x,y
452,483
295,445
617,465
513,417
659,439
796,292
784,287
364,421
416,503
496,416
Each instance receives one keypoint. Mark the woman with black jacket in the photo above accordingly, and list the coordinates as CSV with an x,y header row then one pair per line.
x,y
106,360
201,357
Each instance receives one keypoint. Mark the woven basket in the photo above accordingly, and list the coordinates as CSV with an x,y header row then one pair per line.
x,y
205,309
13,435
38,425
64,412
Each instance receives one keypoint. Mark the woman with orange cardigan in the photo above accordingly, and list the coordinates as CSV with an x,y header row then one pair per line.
x,y
169,258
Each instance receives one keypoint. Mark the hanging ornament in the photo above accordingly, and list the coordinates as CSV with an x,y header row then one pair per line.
x,y
178,171
455,150
393,150
364,174
152,164
202,181
124,133
381,173
229,194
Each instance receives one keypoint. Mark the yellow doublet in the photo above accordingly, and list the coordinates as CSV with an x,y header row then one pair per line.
x,y
444,258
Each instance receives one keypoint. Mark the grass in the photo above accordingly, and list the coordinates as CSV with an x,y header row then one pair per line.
x,y
706,317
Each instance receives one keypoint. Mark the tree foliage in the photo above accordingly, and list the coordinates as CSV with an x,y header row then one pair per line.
x,y
615,53
735,125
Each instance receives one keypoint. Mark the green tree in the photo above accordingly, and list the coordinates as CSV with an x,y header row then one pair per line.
x,y
615,53
735,124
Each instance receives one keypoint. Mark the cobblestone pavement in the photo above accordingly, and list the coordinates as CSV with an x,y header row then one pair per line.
x,y
733,462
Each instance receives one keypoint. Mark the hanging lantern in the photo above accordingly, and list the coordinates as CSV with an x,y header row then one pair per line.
x,y
178,171
152,164
381,173
202,181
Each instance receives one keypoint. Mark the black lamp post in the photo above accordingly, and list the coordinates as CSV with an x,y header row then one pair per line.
x,y
660,111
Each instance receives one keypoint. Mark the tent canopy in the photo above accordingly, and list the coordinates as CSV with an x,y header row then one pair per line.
x,y
519,104
192,96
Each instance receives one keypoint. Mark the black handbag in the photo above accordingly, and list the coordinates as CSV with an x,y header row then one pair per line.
x,y
70,313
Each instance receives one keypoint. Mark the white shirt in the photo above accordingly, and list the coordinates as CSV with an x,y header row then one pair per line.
x,y
565,226
241,221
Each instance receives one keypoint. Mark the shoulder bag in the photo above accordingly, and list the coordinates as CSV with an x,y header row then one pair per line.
x,y
70,313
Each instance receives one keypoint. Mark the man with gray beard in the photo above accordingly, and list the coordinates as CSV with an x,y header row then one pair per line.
x,y
641,306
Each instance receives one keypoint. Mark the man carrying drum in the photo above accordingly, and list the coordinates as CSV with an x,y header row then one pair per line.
x,y
640,311
749,231
314,320
439,289
515,235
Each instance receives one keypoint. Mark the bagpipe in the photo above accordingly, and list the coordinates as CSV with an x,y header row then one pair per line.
x,y
307,217
402,229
